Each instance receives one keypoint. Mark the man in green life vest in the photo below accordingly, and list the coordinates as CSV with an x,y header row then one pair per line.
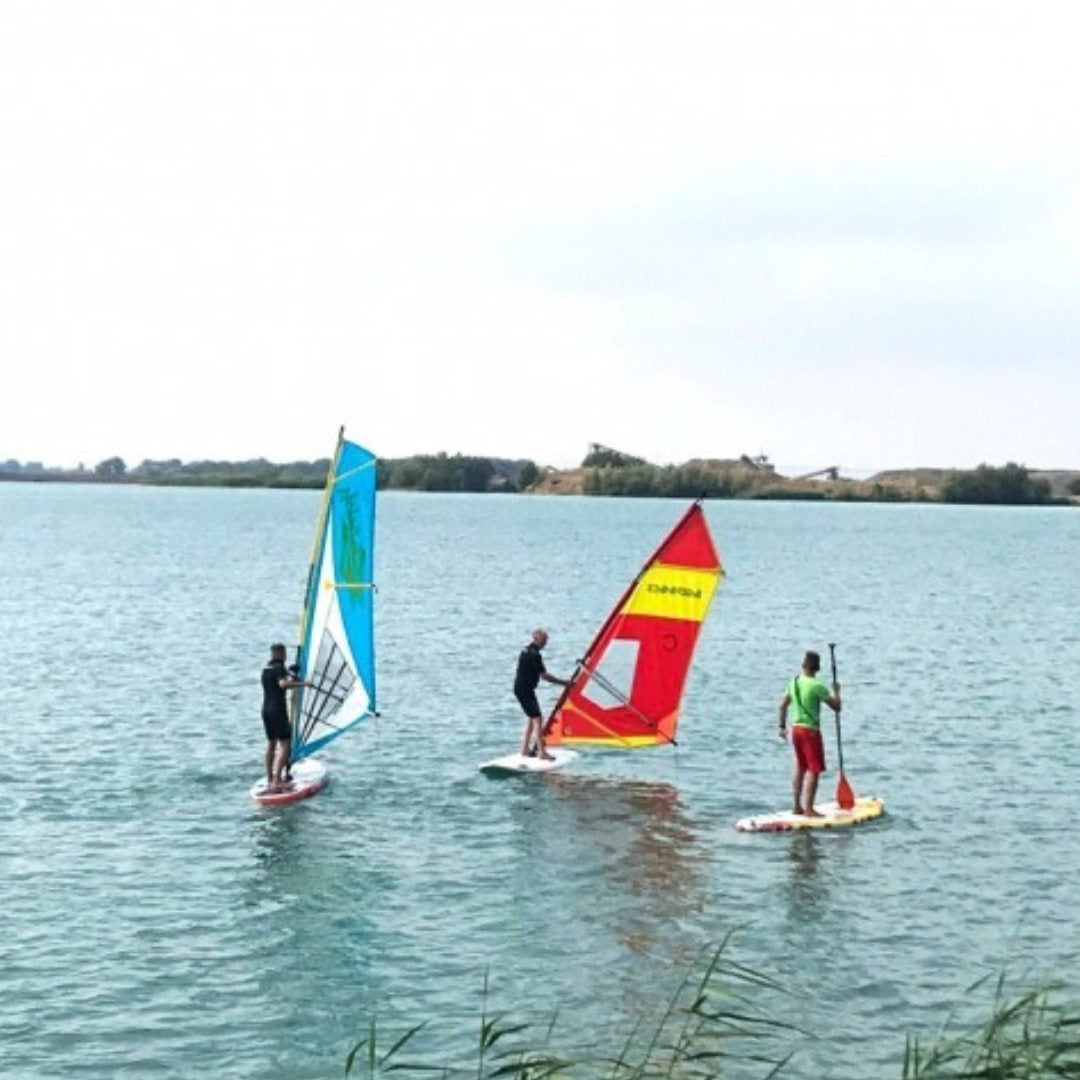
x,y
807,693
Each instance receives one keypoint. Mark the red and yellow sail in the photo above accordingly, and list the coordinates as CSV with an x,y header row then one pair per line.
x,y
628,687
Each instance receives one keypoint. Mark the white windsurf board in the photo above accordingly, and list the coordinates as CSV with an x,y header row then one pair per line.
x,y
514,764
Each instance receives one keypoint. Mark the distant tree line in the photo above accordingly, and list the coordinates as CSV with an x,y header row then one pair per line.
x,y
422,472
605,472
608,472
1009,485
667,481
13,467
457,472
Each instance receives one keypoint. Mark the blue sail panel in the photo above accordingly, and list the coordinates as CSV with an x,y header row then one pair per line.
x,y
337,649
353,521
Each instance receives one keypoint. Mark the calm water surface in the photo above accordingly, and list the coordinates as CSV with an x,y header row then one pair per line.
x,y
155,923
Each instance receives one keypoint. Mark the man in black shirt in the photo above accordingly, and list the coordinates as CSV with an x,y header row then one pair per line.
x,y
530,670
275,715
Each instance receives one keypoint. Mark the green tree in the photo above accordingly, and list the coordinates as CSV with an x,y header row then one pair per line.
x,y
111,467
604,457
437,473
1010,485
528,475
476,473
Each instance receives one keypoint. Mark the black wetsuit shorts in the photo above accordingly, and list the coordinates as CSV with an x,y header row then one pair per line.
x,y
528,702
277,726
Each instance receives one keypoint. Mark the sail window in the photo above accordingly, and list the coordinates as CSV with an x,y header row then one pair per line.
x,y
333,679
613,678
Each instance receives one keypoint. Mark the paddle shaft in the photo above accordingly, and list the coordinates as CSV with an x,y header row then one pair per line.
x,y
844,795
839,743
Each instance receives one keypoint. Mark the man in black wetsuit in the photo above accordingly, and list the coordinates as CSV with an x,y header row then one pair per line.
x,y
275,715
530,670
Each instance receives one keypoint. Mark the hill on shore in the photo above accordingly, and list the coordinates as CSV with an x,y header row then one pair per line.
x,y
747,478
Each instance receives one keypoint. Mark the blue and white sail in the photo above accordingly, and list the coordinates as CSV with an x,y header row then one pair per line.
x,y
336,654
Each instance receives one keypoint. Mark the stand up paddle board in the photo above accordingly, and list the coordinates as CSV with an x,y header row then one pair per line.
x,y
832,817
517,763
308,777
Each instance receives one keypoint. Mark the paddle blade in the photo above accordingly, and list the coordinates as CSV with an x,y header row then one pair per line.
x,y
844,795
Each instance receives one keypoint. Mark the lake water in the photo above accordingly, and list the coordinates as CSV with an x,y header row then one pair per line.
x,y
156,923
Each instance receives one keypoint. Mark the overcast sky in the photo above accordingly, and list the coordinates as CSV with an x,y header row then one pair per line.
x,y
834,233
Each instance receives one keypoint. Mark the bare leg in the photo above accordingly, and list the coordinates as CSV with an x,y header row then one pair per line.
x,y
541,746
811,791
282,760
526,739
796,790
270,748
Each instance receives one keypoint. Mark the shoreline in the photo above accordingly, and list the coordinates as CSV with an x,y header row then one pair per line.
x,y
604,472
554,484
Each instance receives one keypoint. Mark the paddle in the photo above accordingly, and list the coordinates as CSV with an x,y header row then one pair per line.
x,y
844,795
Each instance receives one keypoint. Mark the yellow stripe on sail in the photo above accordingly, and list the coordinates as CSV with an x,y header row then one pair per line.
x,y
673,592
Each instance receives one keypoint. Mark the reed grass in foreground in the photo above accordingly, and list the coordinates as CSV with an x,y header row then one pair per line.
x,y
1032,1036
718,1024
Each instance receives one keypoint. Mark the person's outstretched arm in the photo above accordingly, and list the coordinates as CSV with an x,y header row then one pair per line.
x,y
548,677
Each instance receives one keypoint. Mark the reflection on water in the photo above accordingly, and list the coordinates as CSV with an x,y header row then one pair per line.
x,y
276,839
643,845
804,856
811,859
275,871
806,888
307,914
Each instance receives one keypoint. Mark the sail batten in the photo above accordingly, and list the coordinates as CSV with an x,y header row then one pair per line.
x,y
627,690
336,654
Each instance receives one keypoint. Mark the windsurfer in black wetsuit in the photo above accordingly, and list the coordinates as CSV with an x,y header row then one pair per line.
x,y
530,670
275,715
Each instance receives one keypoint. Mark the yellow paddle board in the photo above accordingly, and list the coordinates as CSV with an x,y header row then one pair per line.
x,y
832,817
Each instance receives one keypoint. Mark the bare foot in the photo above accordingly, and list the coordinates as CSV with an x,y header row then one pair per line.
x,y
813,813
547,757
797,810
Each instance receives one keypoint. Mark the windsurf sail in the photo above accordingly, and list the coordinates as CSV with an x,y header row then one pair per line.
x,y
627,689
336,654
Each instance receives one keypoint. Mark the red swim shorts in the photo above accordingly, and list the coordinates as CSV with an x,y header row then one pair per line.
x,y
809,748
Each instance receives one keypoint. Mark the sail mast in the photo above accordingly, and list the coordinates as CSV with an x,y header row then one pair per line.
x,y
317,546
302,644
